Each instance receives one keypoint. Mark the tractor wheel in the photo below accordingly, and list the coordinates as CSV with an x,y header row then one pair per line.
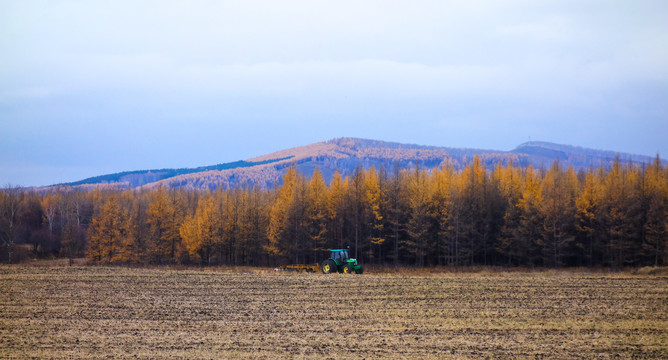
x,y
359,271
347,269
328,267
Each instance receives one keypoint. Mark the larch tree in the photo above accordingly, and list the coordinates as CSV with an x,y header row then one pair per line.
x,y
530,221
255,222
616,216
620,215
587,216
396,212
317,213
202,231
107,231
471,207
336,205
284,232
165,215
375,199
655,228
358,206
509,179
418,220
134,246
557,209
440,210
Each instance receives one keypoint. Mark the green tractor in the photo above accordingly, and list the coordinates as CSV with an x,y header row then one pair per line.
x,y
339,261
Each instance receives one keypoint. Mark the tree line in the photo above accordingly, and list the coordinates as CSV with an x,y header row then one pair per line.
x,y
507,215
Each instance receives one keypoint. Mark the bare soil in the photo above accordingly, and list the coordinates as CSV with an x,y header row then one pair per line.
x,y
98,312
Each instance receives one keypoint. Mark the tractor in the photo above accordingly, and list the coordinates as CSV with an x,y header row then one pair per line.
x,y
339,261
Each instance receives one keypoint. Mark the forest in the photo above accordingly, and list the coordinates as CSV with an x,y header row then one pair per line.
x,y
615,216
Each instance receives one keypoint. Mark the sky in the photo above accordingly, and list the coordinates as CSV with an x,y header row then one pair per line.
x,y
95,87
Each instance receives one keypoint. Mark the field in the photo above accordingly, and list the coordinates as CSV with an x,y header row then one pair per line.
x,y
97,312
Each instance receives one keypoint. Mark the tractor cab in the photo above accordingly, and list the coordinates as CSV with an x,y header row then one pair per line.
x,y
339,255
339,261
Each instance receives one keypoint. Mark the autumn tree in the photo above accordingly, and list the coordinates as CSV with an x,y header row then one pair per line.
x,y
529,227
336,205
32,229
376,200
620,221
107,232
317,213
286,232
418,219
440,210
457,215
655,228
357,201
134,246
73,241
165,214
11,198
50,203
202,231
509,179
470,208
557,209
396,212
588,217
255,221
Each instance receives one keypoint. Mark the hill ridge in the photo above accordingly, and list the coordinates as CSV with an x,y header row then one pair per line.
x,y
345,154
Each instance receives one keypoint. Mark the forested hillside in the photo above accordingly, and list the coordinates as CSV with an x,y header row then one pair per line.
x,y
137,178
345,155
478,215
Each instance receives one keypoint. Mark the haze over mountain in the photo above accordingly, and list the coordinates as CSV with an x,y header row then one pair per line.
x,y
346,154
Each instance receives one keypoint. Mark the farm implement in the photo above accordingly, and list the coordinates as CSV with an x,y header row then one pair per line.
x,y
299,268
338,261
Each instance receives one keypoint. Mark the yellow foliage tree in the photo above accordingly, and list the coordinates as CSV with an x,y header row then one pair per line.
x,y
285,217
107,232
557,209
317,212
375,199
164,217
587,207
335,209
202,231
440,209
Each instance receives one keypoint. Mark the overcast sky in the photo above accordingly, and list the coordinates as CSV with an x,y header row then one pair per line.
x,y
94,87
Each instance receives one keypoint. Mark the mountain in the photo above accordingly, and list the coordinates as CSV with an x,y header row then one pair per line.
x,y
346,154
142,177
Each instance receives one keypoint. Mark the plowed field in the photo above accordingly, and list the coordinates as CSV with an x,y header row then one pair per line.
x,y
96,312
